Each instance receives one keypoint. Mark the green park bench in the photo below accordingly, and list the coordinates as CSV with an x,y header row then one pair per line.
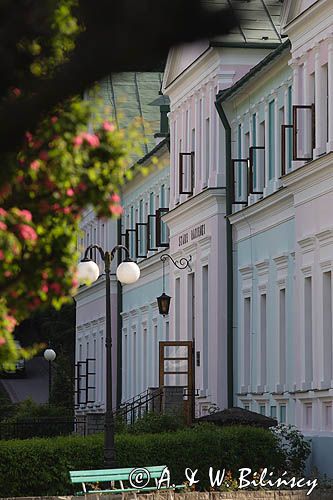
x,y
93,478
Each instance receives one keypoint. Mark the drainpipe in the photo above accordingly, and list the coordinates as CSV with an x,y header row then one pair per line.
x,y
119,324
227,130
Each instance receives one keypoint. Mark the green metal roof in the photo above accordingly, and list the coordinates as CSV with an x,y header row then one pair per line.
x,y
130,96
259,20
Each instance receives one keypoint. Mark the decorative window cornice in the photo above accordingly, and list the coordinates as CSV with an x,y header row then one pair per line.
x,y
325,265
325,237
281,262
262,267
246,272
307,244
307,271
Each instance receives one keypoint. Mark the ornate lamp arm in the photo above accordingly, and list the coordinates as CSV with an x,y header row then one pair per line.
x,y
91,247
183,262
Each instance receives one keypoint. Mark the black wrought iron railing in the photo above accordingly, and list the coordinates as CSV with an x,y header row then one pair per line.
x,y
136,407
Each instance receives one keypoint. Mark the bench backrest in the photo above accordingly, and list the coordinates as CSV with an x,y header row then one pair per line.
x,y
87,476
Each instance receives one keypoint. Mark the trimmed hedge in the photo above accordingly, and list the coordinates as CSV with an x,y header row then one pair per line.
x,y
39,467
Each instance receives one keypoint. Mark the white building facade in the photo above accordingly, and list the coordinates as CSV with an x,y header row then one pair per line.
x,y
194,76
281,121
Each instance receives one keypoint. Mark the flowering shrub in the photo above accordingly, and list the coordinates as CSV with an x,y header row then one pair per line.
x,y
294,446
60,170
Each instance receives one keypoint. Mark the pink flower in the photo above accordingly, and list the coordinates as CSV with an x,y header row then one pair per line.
x,y
27,232
26,215
3,212
45,275
92,139
2,255
115,198
34,165
44,288
78,141
70,192
109,127
67,210
75,283
56,288
16,92
3,226
11,321
44,155
7,274
54,119
2,341
116,209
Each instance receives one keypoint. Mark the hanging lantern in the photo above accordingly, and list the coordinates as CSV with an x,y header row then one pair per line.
x,y
163,302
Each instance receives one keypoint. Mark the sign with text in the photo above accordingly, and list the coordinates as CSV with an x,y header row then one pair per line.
x,y
192,234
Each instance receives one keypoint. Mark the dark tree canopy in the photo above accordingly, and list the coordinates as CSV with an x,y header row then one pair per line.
x,y
126,35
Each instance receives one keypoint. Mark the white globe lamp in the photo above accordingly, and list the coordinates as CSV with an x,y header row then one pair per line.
x,y
128,272
49,355
87,272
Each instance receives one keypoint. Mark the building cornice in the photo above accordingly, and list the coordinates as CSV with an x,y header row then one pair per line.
x,y
208,196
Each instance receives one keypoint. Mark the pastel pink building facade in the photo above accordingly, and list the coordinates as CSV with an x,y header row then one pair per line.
x,y
194,76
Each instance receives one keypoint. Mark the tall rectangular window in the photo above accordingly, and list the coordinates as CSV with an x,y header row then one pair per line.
x,y
325,97
308,416
262,409
191,305
132,226
254,143
273,411
152,220
207,149
283,414
282,336
308,349
145,363
102,377
125,372
133,389
193,140
247,341
263,339
289,130
205,327
271,139
327,414
156,355
177,308
239,155
327,325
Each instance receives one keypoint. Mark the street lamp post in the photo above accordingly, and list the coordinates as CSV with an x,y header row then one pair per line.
x,y
50,355
127,272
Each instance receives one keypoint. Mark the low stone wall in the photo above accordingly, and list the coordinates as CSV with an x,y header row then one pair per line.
x,y
237,495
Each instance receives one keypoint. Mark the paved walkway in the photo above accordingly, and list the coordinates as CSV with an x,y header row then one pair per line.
x,y
34,385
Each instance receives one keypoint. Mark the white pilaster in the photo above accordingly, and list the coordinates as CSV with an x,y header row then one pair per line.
x,y
329,146
319,99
